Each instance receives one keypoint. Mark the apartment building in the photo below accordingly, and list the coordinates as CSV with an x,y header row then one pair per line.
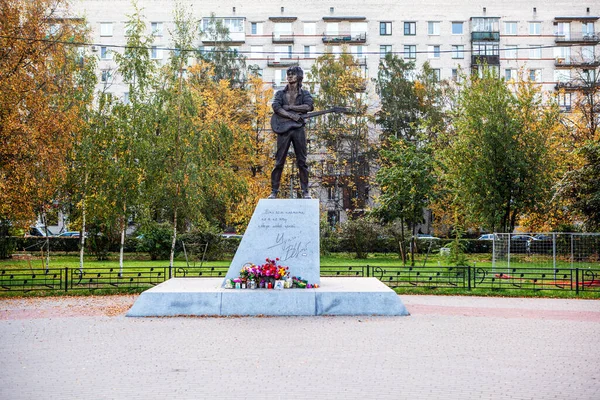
x,y
553,42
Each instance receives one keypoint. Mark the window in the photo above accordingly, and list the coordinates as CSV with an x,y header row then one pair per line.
x,y
564,102
485,24
437,73
587,53
283,52
106,75
283,28
410,51
235,25
535,51
258,71
433,28
433,51
156,53
587,28
384,49
535,28
562,55
310,28
385,28
309,51
455,74
562,75
458,51
588,75
106,29
105,53
256,28
510,28
563,29
358,29
485,49
126,98
410,28
535,75
358,52
332,28
157,28
256,52
510,74
457,28
280,77
510,51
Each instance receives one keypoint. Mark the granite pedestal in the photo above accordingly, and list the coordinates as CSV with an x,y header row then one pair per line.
x,y
206,297
287,229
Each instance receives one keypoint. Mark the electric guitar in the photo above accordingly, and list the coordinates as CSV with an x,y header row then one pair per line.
x,y
281,124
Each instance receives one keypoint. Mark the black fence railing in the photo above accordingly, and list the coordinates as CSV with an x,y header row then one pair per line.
x,y
437,277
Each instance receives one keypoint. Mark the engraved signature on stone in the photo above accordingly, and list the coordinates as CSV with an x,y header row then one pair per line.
x,y
290,247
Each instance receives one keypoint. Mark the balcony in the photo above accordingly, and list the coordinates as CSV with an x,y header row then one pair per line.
x,y
283,38
565,108
274,61
481,59
360,59
485,36
588,38
571,63
576,85
342,38
233,38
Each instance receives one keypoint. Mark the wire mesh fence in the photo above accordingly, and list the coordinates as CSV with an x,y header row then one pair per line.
x,y
558,251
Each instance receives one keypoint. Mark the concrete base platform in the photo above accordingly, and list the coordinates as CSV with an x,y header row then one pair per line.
x,y
205,296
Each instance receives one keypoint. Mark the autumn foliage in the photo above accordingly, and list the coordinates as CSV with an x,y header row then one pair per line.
x,y
39,103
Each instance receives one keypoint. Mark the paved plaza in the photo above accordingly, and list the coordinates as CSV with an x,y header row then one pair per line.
x,y
449,348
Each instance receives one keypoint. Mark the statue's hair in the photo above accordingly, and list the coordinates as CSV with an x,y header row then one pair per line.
x,y
298,71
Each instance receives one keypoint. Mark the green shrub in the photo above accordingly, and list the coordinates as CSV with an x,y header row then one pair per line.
x,y
208,243
359,236
155,239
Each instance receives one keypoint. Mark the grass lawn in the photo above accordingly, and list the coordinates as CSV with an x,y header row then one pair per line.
x,y
391,271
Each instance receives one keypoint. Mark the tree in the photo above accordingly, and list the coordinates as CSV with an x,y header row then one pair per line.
x,y
412,101
229,64
411,117
224,125
581,187
122,141
40,103
496,166
406,180
343,140
260,160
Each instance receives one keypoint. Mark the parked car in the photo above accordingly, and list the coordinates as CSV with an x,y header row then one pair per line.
x,y
38,231
542,236
422,236
521,238
74,234
231,236
487,236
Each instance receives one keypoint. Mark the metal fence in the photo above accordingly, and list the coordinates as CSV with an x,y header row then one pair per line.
x,y
545,250
577,280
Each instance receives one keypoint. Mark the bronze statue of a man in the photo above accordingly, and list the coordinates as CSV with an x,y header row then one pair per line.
x,y
288,104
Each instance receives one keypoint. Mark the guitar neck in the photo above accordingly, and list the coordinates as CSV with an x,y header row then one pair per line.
x,y
317,113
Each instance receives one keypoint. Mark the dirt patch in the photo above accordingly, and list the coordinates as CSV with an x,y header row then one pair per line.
x,y
64,306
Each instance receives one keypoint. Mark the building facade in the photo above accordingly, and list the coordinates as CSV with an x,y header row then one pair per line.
x,y
548,40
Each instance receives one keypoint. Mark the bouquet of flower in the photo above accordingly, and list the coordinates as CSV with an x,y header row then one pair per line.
x,y
250,272
270,269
